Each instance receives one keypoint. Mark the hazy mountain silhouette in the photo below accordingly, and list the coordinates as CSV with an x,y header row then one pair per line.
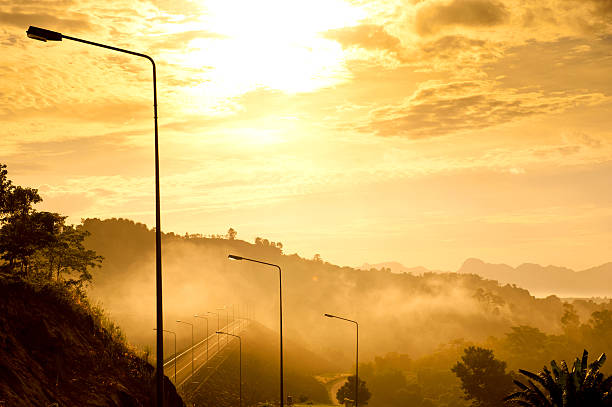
x,y
541,281
546,280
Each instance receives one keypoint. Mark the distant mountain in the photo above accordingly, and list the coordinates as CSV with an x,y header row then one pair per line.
x,y
541,281
546,280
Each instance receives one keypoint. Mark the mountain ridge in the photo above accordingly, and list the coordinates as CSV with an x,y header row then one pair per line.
x,y
538,279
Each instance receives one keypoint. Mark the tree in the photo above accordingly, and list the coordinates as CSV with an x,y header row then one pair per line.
x,y
347,391
483,378
231,234
39,244
67,255
558,387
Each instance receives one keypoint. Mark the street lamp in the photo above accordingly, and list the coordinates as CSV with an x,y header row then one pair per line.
x,y
356,355
217,314
188,323
173,333
280,298
240,360
44,35
197,316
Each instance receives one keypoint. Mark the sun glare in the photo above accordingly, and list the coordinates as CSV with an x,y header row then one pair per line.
x,y
273,44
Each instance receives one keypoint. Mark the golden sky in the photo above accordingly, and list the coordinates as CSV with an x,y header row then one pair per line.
x,y
418,131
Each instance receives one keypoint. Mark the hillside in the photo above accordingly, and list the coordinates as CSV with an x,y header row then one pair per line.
x,y
56,349
391,308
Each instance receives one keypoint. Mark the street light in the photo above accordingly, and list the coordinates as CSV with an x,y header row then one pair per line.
x,y
173,333
280,298
44,35
356,355
217,314
188,323
197,316
240,361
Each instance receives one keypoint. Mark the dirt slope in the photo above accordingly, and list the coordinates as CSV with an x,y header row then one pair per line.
x,y
54,348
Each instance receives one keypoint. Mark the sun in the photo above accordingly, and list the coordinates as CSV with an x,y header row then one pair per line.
x,y
272,44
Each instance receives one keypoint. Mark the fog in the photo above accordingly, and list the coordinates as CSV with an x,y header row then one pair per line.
x,y
396,312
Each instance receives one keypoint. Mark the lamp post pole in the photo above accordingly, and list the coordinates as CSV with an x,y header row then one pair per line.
x,y
240,361
356,355
44,35
188,323
280,298
197,316
173,333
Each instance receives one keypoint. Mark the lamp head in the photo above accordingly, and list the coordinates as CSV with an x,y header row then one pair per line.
x,y
234,257
41,34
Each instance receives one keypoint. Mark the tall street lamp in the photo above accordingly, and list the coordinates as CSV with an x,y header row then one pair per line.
x,y
280,297
173,333
240,361
197,316
44,35
188,323
356,355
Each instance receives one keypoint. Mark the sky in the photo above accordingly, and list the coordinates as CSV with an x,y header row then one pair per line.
x,y
419,131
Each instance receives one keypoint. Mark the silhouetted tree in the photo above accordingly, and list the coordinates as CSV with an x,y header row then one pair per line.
x,y
25,233
231,234
39,244
483,378
347,391
67,255
558,387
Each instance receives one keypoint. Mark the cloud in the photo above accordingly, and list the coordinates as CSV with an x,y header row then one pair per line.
x,y
443,108
180,40
104,111
72,21
433,17
366,36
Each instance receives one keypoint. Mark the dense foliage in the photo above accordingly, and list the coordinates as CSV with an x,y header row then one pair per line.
x,y
585,385
38,245
483,378
347,391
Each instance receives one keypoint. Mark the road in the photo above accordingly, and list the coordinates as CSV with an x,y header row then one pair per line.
x,y
215,344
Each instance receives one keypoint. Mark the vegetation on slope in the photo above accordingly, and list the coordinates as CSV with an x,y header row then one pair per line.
x,y
56,348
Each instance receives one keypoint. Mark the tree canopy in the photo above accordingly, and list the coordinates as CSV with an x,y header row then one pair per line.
x,y
347,391
483,378
39,245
